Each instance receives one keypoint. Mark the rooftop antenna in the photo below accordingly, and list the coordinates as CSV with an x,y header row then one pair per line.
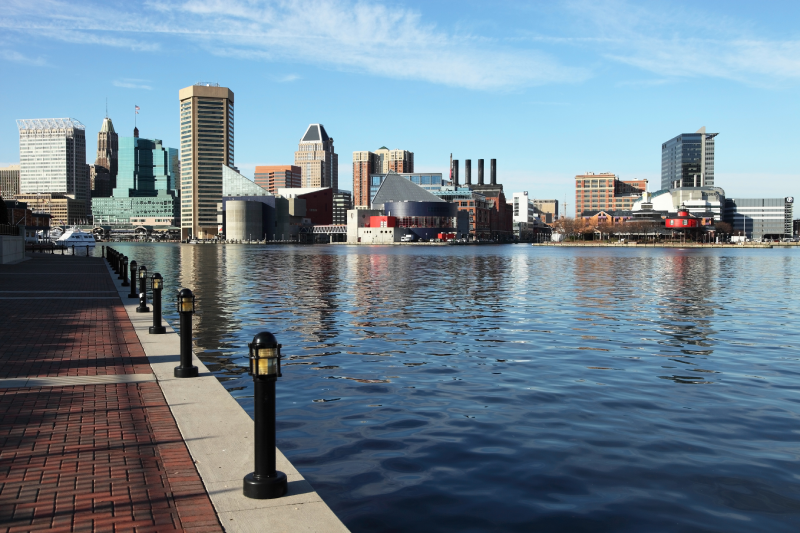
x,y
106,106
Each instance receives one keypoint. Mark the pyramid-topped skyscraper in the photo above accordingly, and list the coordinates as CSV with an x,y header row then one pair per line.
x,y
317,159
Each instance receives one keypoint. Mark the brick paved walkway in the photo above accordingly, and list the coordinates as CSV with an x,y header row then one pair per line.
x,y
106,457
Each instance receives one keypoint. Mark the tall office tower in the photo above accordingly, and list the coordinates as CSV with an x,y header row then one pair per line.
x,y
52,153
688,160
316,158
206,145
381,161
107,149
274,177
9,181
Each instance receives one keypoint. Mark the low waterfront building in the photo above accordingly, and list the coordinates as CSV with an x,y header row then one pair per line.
x,y
274,177
696,200
760,218
33,224
429,181
318,201
605,191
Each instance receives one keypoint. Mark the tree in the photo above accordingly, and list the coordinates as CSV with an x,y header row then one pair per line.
x,y
723,227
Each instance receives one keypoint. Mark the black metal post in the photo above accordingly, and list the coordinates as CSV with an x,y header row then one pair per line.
x,y
186,369
157,328
73,249
104,251
143,291
133,280
265,482
124,270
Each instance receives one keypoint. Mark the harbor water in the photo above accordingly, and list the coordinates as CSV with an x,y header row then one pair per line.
x,y
517,388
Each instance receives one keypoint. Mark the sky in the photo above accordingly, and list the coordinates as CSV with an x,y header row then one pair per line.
x,y
550,89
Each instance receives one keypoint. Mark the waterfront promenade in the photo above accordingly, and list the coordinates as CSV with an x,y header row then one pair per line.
x,y
95,434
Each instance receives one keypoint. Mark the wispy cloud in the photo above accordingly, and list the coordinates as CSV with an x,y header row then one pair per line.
x,y
376,39
16,57
287,78
132,83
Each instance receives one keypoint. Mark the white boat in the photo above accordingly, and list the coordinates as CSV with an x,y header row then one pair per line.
x,y
75,236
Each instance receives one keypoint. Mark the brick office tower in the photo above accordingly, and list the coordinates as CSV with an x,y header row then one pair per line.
x,y
206,145
381,161
595,192
273,177
317,159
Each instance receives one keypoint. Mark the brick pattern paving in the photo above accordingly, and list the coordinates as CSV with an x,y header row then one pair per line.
x,y
90,457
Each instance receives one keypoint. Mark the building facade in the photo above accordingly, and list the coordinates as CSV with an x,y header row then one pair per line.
x,y
688,160
760,218
605,191
9,181
52,156
523,207
381,161
106,161
430,181
317,159
146,185
342,202
274,177
547,207
207,135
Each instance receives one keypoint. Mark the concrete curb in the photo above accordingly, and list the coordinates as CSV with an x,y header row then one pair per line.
x,y
219,436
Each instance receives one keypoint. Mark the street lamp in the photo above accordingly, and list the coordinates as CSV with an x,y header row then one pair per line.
x,y
142,291
133,280
158,285
186,310
265,482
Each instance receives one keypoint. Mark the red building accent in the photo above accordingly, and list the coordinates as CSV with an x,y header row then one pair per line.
x,y
684,220
382,222
319,206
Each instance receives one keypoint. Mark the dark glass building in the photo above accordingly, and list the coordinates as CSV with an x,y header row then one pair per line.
x,y
688,160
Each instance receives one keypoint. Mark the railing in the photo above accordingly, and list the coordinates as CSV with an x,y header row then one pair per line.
x,y
8,229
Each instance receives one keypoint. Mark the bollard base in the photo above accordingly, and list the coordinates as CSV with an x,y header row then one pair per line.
x,y
157,330
265,488
185,371
141,309
133,296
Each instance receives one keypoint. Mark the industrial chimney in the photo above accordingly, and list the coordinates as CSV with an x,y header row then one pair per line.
x,y
493,171
480,171
468,172
455,172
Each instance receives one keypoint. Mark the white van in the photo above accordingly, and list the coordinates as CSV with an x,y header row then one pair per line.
x,y
408,237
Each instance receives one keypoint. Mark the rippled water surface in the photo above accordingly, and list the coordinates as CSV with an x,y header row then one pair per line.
x,y
515,388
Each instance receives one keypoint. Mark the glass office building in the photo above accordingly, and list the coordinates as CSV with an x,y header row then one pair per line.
x,y
760,218
688,160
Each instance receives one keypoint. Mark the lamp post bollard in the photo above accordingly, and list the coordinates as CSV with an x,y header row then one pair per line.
x,y
73,250
158,285
124,271
186,310
142,291
265,482
104,251
133,280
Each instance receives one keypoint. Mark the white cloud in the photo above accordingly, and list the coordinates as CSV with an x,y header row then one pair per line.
x,y
16,57
287,78
375,39
132,83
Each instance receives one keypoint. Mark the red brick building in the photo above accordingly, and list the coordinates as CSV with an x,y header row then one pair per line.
x,y
605,191
273,177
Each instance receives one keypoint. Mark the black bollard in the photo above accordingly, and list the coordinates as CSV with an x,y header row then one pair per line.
x,y
104,251
142,291
265,482
124,272
186,310
158,285
133,280
73,249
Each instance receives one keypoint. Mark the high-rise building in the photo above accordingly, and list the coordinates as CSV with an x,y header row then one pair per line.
x,y
52,153
523,207
317,159
146,182
273,177
9,181
381,161
688,160
604,191
206,145
107,149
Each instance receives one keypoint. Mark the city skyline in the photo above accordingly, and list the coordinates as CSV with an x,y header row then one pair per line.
x,y
521,84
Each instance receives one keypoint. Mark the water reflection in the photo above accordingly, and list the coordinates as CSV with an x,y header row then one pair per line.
x,y
517,388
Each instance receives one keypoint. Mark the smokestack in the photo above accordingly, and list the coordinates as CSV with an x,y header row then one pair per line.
x,y
455,172
480,171
493,170
468,172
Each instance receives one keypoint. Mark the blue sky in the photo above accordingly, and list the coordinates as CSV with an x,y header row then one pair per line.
x,y
549,89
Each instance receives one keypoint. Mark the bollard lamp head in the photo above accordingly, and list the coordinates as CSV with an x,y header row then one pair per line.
x,y
185,301
142,272
133,263
158,282
265,356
